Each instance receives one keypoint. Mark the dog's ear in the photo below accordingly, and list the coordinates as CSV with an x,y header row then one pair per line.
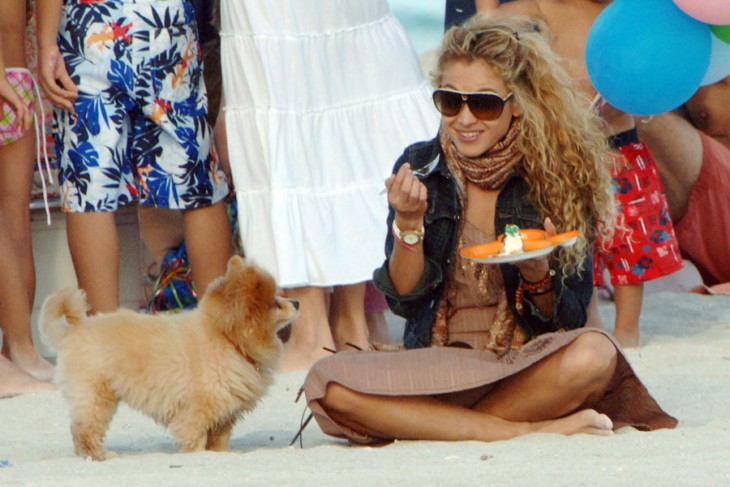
x,y
242,296
236,262
221,287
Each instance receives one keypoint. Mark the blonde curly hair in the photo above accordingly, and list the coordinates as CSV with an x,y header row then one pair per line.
x,y
566,155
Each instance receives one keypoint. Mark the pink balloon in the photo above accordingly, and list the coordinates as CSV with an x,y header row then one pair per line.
x,y
709,11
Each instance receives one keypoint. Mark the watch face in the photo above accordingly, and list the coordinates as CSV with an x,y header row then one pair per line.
x,y
411,238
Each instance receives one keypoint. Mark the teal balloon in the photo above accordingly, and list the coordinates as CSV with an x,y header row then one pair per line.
x,y
719,67
647,57
722,32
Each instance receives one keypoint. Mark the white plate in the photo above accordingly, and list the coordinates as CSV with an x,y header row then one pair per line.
x,y
506,259
569,243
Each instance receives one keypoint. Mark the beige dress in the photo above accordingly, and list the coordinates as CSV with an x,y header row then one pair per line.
x,y
478,317
477,310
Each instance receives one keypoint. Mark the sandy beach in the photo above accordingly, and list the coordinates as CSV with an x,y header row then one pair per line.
x,y
684,361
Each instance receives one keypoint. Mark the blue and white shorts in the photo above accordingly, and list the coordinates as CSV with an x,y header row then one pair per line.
x,y
139,130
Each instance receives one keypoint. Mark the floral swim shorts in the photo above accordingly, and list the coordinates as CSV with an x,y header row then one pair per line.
x,y
21,81
648,248
139,131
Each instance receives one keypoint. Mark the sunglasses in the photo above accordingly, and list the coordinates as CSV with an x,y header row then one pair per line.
x,y
484,106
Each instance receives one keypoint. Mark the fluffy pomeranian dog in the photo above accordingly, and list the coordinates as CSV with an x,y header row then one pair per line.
x,y
195,371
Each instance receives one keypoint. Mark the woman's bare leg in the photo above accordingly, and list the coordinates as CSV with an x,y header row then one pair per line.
x,y
15,322
347,315
310,332
574,376
425,418
17,162
17,287
378,329
539,399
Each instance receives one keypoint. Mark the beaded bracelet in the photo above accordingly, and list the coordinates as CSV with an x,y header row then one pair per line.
x,y
543,290
539,288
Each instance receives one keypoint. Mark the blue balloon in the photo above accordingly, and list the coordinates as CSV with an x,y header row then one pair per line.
x,y
647,57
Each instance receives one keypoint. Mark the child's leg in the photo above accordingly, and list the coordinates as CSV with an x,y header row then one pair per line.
x,y
208,237
310,333
347,312
15,320
14,381
17,161
17,287
628,300
93,242
172,125
650,250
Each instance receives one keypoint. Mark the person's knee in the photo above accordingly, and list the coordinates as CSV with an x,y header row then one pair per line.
x,y
590,359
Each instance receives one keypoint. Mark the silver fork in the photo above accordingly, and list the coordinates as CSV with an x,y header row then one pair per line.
x,y
420,172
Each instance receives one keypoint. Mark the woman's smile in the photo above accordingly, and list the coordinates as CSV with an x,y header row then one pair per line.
x,y
471,135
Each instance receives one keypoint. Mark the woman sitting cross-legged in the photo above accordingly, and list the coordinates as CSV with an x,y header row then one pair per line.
x,y
495,350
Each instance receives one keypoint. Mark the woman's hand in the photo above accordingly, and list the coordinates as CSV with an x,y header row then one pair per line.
x,y
8,95
535,270
54,79
408,196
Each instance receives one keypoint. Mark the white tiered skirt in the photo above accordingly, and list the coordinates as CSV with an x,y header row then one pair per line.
x,y
322,96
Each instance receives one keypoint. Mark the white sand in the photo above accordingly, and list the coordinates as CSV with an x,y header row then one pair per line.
x,y
685,363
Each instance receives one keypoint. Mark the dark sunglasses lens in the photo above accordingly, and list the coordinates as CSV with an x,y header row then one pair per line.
x,y
447,103
486,106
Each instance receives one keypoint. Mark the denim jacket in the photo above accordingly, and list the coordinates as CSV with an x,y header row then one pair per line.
x,y
441,223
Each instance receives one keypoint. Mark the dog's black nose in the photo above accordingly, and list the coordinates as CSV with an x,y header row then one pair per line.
x,y
295,303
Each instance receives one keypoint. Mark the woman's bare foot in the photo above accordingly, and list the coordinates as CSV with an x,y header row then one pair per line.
x,y
33,364
378,329
587,421
347,317
351,341
15,381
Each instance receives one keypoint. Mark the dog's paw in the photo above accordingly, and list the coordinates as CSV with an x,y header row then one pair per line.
x,y
97,456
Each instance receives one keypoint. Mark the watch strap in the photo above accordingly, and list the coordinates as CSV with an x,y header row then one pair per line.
x,y
400,235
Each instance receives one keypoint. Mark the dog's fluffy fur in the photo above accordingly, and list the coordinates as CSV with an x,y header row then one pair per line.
x,y
196,371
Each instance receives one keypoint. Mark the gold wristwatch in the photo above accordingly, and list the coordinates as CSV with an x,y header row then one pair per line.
x,y
408,237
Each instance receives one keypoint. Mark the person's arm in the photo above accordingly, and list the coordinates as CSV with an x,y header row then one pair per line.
x,y
408,196
54,78
9,96
536,270
564,306
677,150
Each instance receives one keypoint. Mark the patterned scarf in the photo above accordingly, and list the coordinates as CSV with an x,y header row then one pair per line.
x,y
490,170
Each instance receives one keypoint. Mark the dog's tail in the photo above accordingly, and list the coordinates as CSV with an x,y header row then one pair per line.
x,y
61,309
